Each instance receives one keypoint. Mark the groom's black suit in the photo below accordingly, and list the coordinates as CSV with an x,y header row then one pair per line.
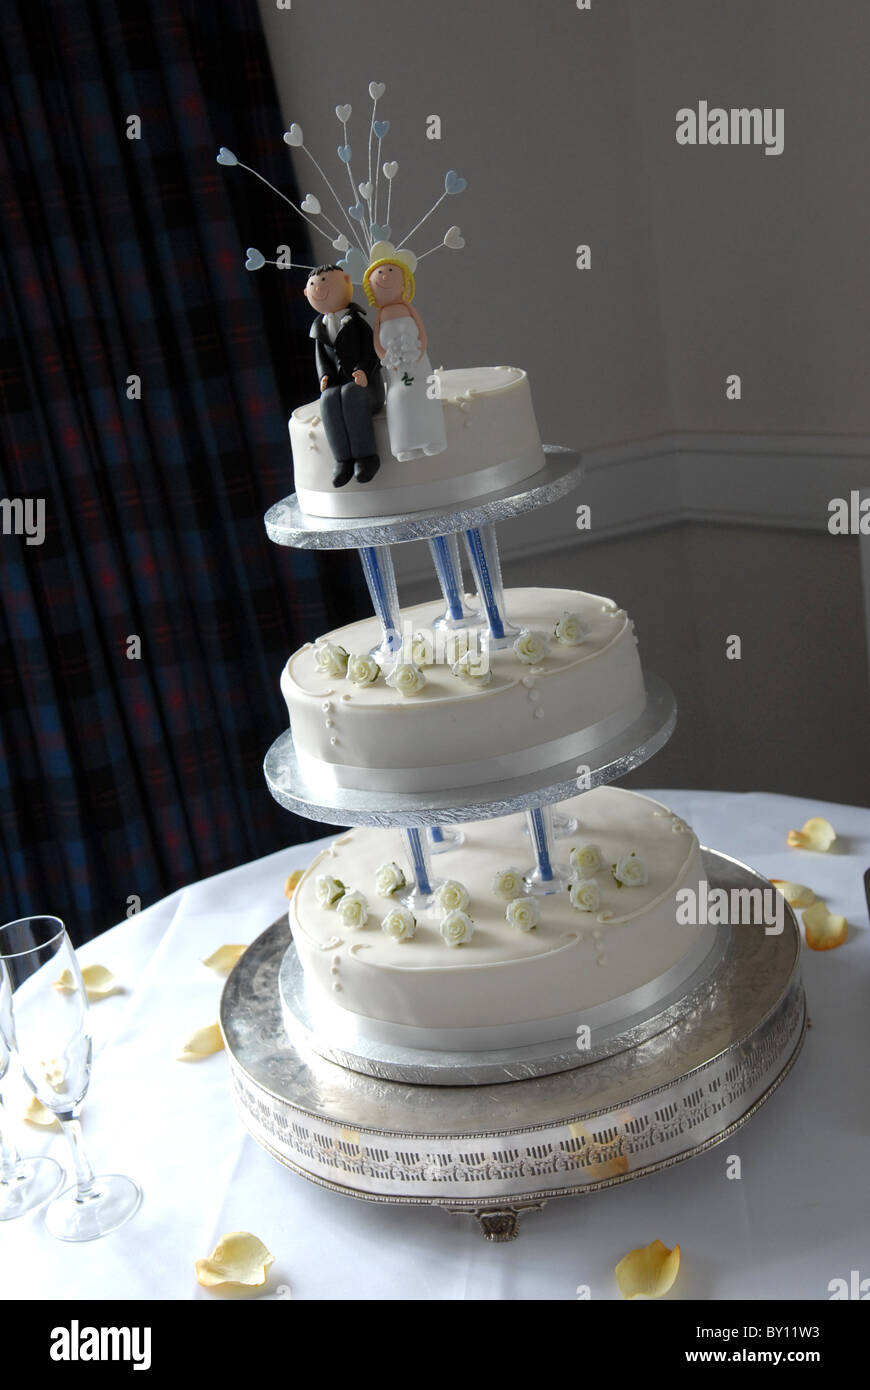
x,y
347,409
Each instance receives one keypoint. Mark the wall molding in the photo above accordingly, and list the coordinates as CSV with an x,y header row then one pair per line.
x,y
779,481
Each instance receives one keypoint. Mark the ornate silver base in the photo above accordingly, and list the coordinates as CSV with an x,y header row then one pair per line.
x,y
490,1151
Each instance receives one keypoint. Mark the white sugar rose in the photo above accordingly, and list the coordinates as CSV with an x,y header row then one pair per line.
x,y
407,678
389,879
353,910
523,913
532,646
570,630
630,871
451,896
473,668
328,890
400,924
507,883
330,660
457,928
587,860
422,649
362,670
585,895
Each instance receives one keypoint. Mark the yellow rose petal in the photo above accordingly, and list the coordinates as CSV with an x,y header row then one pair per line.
x,y
224,958
53,1073
203,1043
292,882
824,930
795,894
817,834
98,981
238,1258
35,1113
648,1272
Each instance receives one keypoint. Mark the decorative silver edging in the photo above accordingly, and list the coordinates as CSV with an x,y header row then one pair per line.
x,y
393,1062
345,806
288,524
487,1148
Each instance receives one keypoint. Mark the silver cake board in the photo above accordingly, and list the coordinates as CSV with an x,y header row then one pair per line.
x,y
288,524
542,787
491,1151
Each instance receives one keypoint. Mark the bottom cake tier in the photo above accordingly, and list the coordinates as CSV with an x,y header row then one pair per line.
x,y
530,968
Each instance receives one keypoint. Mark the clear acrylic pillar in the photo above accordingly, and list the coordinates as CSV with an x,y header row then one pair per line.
x,y
546,876
486,568
420,896
380,577
443,838
448,567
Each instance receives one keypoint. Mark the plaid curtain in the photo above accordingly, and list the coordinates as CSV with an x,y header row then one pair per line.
x,y
143,633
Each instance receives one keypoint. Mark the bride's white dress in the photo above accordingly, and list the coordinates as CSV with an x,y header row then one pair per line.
x,y
415,423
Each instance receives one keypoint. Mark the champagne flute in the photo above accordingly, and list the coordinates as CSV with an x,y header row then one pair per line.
x,y
46,1021
25,1183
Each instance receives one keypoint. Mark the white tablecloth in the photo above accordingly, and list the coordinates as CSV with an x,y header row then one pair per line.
x,y
795,1220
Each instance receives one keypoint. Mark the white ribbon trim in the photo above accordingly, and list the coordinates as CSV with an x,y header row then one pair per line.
x,y
451,776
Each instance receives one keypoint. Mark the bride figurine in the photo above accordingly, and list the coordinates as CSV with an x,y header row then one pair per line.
x,y
415,421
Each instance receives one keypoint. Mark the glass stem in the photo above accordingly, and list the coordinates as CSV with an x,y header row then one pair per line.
x,y
10,1158
86,1188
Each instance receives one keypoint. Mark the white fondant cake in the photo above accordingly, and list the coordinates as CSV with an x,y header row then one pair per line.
x,y
492,442
505,986
455,734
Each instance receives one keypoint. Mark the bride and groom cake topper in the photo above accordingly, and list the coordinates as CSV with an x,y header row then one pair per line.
x,y
361,369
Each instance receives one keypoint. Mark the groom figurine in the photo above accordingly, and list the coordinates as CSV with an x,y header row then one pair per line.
x,y
351,387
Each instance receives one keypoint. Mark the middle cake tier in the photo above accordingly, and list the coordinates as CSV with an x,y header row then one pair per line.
x,y
570,682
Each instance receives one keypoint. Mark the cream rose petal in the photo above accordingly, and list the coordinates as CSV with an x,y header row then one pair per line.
x,y
292,882
817,834
648,1272
36,1114
824,929
795,894
238,1258
224,958
203,1043
98,981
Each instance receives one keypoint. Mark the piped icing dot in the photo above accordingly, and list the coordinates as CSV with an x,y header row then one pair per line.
x,y
345,697
336,986
528,682
333,970
600,960
534,696
326,707
539,713
328,723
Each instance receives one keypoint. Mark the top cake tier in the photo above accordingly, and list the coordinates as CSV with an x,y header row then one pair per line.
x,y
492,443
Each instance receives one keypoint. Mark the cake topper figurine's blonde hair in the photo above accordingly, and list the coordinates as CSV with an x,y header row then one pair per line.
x,y
384,253
363,213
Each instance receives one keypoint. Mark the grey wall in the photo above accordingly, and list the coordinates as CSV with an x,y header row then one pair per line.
x,y
705,261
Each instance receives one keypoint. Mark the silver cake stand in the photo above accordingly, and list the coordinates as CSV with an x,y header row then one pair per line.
x,y
494,1150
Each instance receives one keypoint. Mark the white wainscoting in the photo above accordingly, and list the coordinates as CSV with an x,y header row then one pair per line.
x,y
742,480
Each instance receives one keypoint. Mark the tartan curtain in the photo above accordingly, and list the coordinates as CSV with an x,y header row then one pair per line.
x,y
129,769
